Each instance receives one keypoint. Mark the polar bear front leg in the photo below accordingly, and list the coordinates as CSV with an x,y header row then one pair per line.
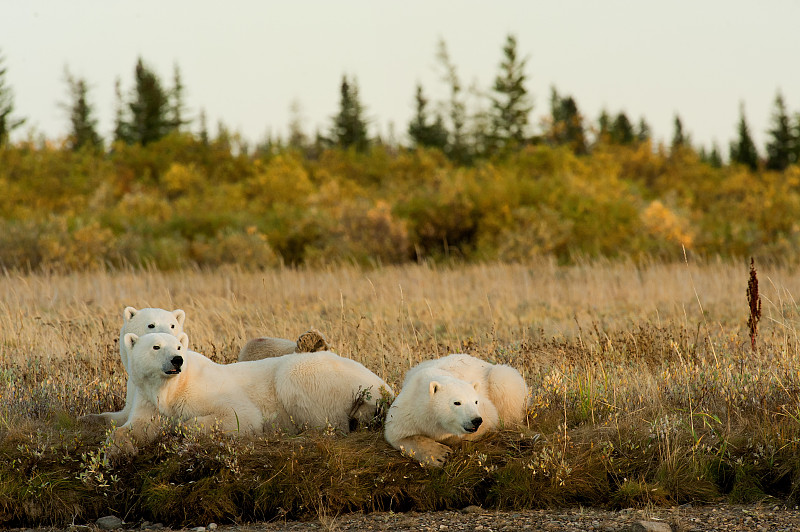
x,y
424,449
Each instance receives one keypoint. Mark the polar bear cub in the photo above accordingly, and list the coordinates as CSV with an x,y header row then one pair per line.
x,y
290,392
457,397
139,322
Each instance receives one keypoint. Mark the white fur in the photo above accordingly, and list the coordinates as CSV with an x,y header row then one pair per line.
x,y
441,400
140,322
291,392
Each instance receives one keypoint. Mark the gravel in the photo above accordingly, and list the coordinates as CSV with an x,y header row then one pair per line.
x,y
723,517
686,518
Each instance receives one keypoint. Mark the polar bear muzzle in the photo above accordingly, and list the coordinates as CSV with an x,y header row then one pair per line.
x,y
473,424
174,366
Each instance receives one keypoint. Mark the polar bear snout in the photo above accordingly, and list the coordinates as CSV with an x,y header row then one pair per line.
x,y
473,425
174,365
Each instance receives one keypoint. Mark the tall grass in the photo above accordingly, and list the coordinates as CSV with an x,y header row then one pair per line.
x,y
644,389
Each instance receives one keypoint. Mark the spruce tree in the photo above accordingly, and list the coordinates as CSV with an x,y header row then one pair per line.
x,y
177,106
511,103
297,138
422,131
149,108
743,150
7,122
643,132
566,126
83,124
621,130
349,126
457,148
781,150
152,111
679,138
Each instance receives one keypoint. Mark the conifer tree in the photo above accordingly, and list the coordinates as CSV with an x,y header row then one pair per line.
x,y
349,126
7,122
422,131
511,103
83,124
679,138
781,151
177,106
643,132
621,130
149,115
203,123
603,128
743,150
457,148
297,138
714,158
566,125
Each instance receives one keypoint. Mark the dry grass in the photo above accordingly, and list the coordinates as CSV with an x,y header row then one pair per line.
x,y
645,389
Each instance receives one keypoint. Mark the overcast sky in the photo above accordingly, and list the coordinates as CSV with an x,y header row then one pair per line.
x,y
245,62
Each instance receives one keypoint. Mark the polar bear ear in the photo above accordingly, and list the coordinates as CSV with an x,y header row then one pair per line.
x,y
180,315
477,386
184,340
434,387
130,340
129,313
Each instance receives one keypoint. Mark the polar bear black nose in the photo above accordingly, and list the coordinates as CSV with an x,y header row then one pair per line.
x,y
177,361
476,422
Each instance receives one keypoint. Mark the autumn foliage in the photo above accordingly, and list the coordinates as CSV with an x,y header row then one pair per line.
x,y
181,202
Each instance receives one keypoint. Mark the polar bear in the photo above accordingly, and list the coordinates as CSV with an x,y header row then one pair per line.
x,y
457,397
139,322
310,341
291,392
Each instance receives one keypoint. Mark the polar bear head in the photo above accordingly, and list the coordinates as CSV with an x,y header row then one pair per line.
x,y
156,356
455,404
149,320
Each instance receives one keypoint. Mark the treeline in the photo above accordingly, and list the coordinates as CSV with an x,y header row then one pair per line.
x,y
467,186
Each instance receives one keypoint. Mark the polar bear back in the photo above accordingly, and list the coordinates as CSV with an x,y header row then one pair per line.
x,y
459,365
322,387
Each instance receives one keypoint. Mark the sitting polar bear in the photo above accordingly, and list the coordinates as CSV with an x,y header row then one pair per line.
x,y
291,392
458,397
139,322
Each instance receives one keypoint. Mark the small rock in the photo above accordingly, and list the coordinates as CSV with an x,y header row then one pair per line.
x,y
685,506
212,526
109,522
472,509
650,526
198,529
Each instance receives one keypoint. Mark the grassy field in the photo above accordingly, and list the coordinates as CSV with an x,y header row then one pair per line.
x,y
645,389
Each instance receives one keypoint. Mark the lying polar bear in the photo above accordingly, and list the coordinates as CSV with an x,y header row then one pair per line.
x,y
290,392
458,397
138,321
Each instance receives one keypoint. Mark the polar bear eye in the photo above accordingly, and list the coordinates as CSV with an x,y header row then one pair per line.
x,y
156,347
457,403
179,348
172,326
151,326
476,402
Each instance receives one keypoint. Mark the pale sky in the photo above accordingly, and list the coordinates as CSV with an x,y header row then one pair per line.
x,y
246,61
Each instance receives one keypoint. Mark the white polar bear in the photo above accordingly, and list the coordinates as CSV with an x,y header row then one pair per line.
x,y
458,397
139,322
291,392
